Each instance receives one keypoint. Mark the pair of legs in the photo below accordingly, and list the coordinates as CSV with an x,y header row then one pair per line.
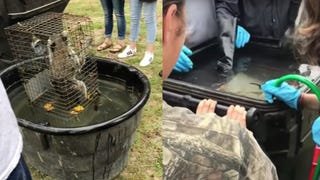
x,y
21,171
150,20
118,7
149,9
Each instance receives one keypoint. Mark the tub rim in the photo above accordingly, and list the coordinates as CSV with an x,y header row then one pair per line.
x,y
95,127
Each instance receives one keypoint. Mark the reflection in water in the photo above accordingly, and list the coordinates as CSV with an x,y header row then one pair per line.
x,y
242,64
243,85
246,83
222,78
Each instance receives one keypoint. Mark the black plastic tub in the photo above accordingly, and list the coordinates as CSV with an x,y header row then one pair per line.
x,y
95,151
284,134
21,10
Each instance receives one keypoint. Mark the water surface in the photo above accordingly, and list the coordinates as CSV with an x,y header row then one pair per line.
x,y
115,99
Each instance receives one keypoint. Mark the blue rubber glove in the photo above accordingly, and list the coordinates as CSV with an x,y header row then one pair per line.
x,y
316,131
285,93
184,63
243,37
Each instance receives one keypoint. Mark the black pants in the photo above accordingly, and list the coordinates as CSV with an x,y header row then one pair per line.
x,y
21,172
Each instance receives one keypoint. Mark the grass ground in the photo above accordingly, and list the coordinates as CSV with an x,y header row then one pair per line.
x,y
145,157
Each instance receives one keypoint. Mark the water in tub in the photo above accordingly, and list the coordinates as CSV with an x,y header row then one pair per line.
x,y
114,100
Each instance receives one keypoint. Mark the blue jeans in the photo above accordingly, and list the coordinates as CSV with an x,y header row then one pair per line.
x,y
21,172
149,16
108,7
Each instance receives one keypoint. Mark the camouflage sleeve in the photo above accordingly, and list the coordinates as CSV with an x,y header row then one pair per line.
x,y
210,147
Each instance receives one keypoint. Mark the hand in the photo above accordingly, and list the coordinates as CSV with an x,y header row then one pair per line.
x,y
184,63
237,113
242,38
316,131
206,106
285,93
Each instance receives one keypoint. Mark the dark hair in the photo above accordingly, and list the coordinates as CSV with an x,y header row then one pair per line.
x,y
168,3
307,39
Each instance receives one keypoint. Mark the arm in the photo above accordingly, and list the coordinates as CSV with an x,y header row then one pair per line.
x,y
255,161
293,97
309,101
207,146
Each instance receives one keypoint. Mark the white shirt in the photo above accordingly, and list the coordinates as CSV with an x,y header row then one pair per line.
x,y
10,137
202,22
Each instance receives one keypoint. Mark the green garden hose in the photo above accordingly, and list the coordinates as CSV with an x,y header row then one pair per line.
x,y
315,90
299,78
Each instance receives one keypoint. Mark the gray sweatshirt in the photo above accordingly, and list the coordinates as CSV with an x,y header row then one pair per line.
x,y
201,22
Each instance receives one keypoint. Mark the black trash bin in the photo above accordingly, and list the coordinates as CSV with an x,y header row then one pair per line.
x,y
93,151
284,134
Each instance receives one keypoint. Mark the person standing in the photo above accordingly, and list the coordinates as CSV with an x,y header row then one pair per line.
x,y
240,21
306,41
149,7
258,20
12,165
118,7
216,20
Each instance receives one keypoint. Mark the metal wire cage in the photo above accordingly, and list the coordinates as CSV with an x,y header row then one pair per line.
x,y
62,78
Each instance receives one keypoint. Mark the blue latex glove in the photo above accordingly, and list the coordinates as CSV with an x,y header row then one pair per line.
x,y
242,38
285,93
316,131
184,63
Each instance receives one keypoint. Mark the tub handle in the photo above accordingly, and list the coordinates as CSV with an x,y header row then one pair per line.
x,y
44,137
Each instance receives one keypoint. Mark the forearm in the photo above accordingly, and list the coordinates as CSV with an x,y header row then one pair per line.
x,y
309,101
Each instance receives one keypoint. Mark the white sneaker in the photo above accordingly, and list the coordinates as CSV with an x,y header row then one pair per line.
x,y
147,59
127,52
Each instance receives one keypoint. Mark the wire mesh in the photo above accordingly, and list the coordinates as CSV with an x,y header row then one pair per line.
x,y
64,79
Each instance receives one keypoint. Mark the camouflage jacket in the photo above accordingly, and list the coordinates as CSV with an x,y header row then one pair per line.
x,y
210,147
